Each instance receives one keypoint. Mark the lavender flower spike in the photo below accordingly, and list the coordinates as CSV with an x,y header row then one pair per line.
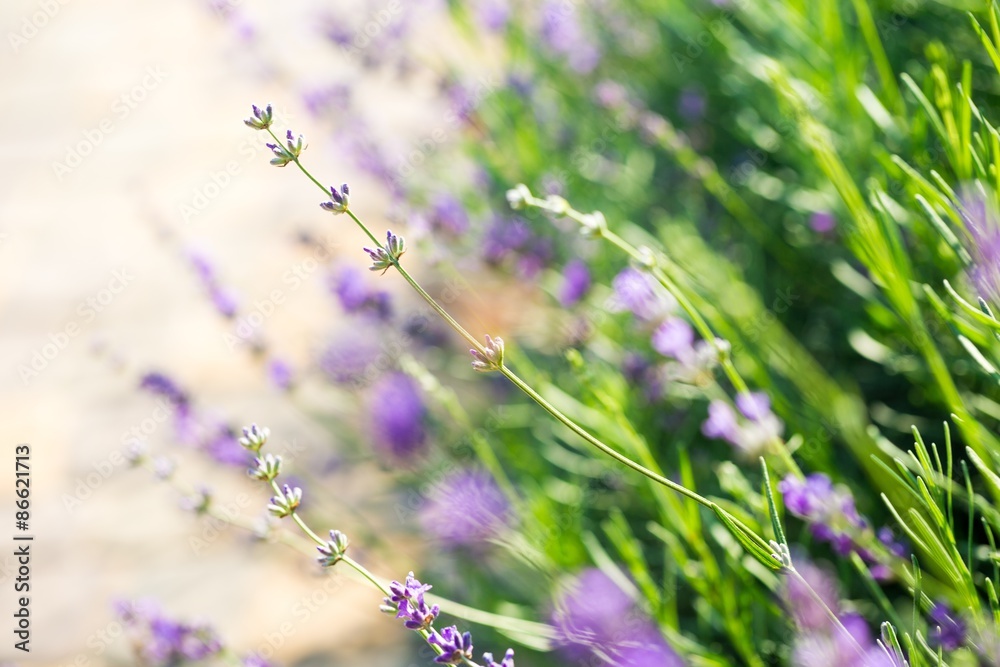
x,y
285,503
339,201
383,258
457,647
288,153
267,468
407,600
261,119
254,437
508,659
492,359
334,550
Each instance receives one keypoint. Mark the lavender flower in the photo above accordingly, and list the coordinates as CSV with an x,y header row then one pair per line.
x,y
339,201
350,358
448,215
355,295
456,646
562,33
289,152
822,222
752,435
508,659
465,509
261,119
984,228
635,291
821,641
397,413
162,641
407,600
491,359
948,630
255,437
596,619
162,385
829,510
280,373
223,298
692,104
576,283
286,502
674,338
385,256
333,551
265,468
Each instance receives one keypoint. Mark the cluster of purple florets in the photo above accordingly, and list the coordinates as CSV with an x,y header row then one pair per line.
x,y
407,601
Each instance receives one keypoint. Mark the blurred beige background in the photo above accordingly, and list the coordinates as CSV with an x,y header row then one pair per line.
x,y
151,95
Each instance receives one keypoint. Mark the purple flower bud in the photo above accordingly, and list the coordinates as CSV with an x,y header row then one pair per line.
x,y
407,600
635,291
280,373
508,659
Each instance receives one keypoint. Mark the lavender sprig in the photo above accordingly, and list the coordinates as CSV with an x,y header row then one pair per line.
x,y
339,201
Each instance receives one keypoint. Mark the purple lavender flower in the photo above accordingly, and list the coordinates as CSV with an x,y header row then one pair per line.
x,y
610,94
822,222
161,385
407,600
984,228
800,596
754,433
254,660
356,295
224,299
397,414
280,373
721,423
948,630
576,283
456,646
321,100
829,510
674,338
755,406
351,358
562,33
448,215
635,291
692,104
508,659
465,509
493,14
162,641
596,618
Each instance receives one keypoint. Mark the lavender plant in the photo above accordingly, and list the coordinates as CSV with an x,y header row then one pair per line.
x,y
774,239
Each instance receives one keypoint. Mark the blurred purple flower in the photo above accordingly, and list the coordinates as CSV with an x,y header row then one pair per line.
x,y
280,373
721,423
674,338
350,358
822,222
162,641
637,292
596,619
507,238
692,104
755,406
610,94
323,99
493,14
465,509
562,33
355,293
984,227
223,298
448,215
397,416
159,384
947,629
576,283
